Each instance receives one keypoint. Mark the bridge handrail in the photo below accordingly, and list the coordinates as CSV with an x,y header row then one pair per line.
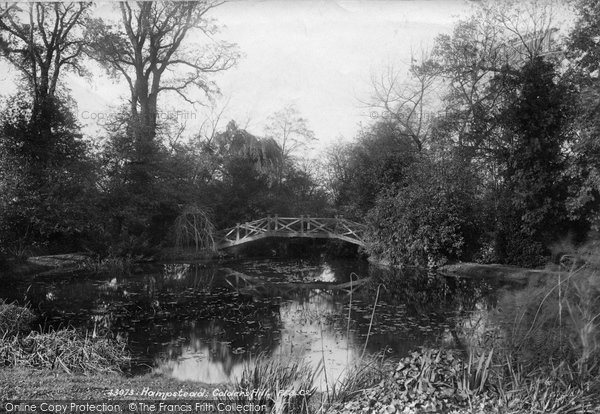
x,y
304,225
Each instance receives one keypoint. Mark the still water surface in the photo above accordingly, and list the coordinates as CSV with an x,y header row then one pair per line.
x,y
207,323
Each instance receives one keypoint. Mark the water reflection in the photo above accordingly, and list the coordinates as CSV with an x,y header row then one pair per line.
x,y
209,323
304,330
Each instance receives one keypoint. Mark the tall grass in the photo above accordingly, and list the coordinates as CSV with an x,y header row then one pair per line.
x,y
67,350
546,354
358,378
283,385
14,319
559,322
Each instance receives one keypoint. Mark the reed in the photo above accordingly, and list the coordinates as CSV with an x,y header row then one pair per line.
x,y
283,385
547,358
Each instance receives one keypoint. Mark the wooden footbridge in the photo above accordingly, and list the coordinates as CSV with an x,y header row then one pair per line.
x,y
304,226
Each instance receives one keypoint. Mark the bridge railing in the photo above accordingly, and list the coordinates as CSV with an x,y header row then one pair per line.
x,y
303,226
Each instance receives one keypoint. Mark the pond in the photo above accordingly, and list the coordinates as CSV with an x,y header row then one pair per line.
x,y
207,323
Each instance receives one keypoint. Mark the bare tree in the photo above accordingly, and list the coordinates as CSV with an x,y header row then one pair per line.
x,y
290,130
466,61
500,36
148,50
529,26
41,40
405,103
212,122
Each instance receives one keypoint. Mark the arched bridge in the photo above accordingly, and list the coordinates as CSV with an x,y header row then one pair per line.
x,y
304,226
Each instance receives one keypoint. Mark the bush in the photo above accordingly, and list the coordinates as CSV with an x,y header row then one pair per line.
x,y
47,180
429,219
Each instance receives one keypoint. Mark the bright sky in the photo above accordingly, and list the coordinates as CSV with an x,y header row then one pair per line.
x,y
320,55
317,54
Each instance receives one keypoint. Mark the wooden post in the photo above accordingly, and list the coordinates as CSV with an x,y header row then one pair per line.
x,y
237,232
268,223
302,224
308,224
276,225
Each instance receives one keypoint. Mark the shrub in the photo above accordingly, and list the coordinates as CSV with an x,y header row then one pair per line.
x,y
429,219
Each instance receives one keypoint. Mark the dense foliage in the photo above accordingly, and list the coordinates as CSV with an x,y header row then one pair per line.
x,y
47,181
431,216
488,151
508,161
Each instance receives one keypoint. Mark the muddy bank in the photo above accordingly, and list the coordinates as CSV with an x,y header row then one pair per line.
x,y
63,263
512,274
495,272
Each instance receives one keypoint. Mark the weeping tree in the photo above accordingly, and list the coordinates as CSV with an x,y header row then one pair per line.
x,y
148,49
194,229
264,154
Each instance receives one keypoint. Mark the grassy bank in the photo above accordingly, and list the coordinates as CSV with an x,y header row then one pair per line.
x,y
35,362
67,363
30,383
